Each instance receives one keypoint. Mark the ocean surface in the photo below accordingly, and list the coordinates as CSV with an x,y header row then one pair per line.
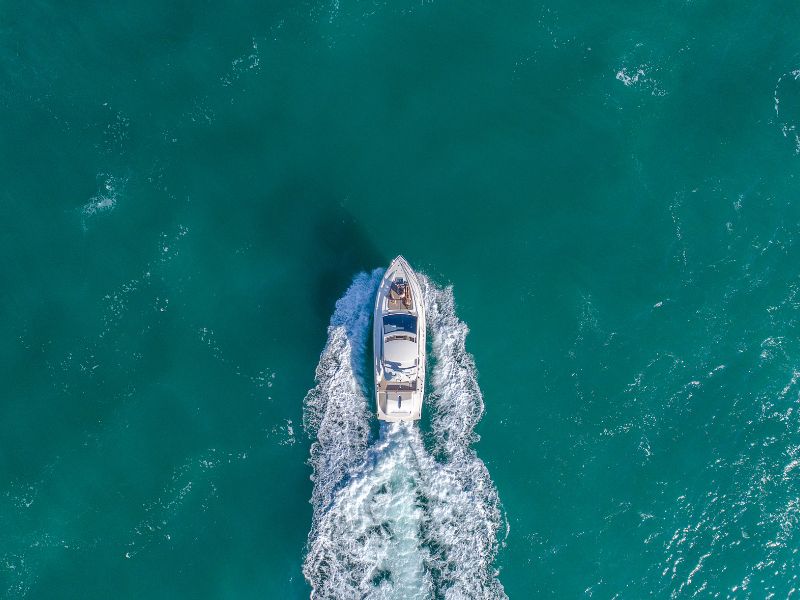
x,y
198,199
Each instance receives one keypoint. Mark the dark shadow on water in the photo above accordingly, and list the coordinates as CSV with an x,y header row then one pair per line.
x,y
343,251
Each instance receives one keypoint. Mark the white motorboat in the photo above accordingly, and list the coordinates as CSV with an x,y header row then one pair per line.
x,y
399,344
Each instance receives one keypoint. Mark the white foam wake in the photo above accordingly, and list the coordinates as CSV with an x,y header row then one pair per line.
x,y
390,520
335,411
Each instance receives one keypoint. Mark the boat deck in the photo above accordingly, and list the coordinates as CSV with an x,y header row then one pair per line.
x,y
396,404
385,386
400,297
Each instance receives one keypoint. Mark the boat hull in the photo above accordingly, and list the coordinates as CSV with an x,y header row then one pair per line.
x,y
399,392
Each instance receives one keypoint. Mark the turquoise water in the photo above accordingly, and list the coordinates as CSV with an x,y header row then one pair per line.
x,y
610,190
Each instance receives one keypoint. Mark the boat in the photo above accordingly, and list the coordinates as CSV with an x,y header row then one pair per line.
x,y
399,344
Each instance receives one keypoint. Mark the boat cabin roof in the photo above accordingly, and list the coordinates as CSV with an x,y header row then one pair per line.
x,y
399,322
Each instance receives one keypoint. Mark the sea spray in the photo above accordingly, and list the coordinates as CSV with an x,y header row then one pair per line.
x,y
390,520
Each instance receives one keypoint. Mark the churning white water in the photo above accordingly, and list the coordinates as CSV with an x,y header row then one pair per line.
x,y
392,518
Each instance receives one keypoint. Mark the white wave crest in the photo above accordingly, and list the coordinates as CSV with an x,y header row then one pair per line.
x,y
105,200
393,520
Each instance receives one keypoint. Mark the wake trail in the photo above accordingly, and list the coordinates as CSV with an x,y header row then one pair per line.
x,y
392,519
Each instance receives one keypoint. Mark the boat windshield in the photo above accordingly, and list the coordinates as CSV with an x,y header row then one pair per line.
x,y
392,323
